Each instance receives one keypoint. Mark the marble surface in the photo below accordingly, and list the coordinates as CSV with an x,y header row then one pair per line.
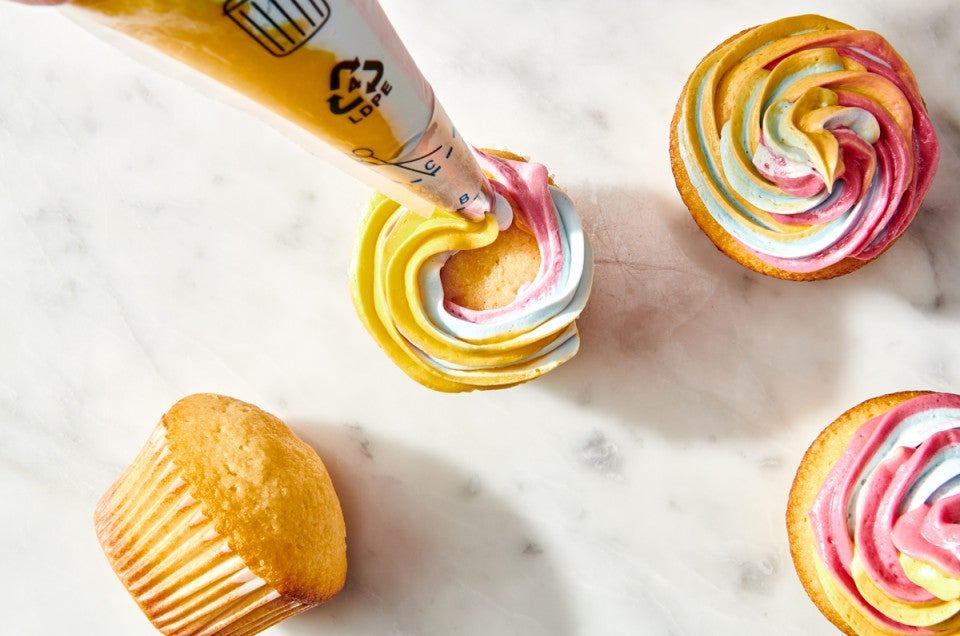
x,y
157,241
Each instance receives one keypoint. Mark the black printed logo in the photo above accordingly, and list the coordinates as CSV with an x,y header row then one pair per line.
x,y
279,26
357,88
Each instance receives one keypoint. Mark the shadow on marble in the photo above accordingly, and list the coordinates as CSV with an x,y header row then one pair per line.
x,y
923,266
429,551
680,339
927,37
938,222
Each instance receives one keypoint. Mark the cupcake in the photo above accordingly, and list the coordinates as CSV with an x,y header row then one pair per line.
x,y
874,517
226,523
802,147
461,305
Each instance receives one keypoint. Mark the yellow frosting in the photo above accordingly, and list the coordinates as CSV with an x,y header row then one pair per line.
x,y
848,610
916,614
393,247
931,578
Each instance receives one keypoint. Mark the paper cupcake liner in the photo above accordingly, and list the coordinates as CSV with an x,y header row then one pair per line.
x,y
173,562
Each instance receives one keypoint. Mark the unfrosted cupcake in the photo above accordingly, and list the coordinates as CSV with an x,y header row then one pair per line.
x,y
461,305
802,147
874,517
226,523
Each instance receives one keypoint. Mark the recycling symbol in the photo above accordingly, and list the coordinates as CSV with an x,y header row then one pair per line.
x,y
357,88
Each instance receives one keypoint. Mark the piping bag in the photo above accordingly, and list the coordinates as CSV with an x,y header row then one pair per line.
x,y
334,68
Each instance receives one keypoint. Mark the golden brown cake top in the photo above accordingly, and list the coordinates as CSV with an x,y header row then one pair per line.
x,y
266,490
491,276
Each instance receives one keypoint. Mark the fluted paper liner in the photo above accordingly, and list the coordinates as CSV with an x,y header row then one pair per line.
x,y
173,562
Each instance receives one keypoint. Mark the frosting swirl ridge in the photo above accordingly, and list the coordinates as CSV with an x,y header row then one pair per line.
x,y
887,521
807,141
399,296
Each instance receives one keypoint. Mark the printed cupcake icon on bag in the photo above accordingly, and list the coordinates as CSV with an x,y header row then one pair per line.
x,y
280,26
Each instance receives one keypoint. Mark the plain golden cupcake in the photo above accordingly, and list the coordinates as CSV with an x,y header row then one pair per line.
x,y
226,523
873,517
802,147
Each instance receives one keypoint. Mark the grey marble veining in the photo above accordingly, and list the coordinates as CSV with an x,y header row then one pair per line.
x,y
157,241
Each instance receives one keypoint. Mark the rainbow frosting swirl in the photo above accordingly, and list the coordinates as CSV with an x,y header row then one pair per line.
x,y
807,141
398,294
887,522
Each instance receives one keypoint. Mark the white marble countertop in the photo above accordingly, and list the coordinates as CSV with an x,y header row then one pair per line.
x,y
155,242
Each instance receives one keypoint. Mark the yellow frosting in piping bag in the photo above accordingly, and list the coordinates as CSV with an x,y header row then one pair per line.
x,y
334,68
199,33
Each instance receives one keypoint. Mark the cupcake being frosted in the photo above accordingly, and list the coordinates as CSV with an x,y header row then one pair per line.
x,y
874,517
462,305
803,147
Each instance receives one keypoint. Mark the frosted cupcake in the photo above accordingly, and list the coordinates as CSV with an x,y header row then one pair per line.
x,y
225,523
461,305
802,147
874,517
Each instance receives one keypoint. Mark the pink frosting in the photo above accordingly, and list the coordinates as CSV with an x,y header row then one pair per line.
x,y
881,530
525,186
922,533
